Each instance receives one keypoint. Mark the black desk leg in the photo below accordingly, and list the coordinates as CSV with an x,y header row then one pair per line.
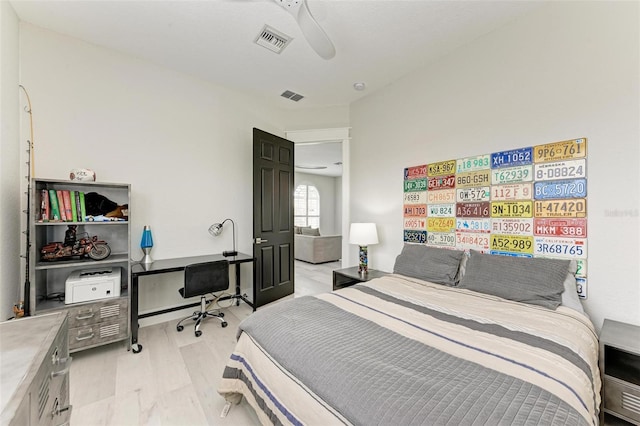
x,y
135,347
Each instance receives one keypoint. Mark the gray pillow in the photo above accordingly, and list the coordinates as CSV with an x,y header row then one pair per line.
x,y
535,281
314,232
429,263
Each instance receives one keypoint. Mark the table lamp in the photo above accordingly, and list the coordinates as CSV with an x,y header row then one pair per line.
x,y
363,234
146,244
216,229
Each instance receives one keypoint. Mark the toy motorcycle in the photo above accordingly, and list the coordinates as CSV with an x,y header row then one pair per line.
x,y
84,247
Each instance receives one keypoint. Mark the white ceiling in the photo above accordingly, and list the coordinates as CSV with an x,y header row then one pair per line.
x,y
326,155
377,41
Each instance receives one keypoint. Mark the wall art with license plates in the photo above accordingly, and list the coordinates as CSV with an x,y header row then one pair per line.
x,y
529,202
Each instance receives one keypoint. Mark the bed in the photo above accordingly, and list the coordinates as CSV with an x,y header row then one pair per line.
x,y
429,344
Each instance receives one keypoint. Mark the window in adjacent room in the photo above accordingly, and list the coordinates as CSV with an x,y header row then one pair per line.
x,y
306,206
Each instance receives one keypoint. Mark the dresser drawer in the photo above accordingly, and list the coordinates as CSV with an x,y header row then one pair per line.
x,y
99,333
622,397
93,313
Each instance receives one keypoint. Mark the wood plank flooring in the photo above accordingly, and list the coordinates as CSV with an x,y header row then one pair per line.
x,y
173,381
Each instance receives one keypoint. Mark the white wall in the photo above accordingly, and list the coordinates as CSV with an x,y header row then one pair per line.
x,y
568,70
184,145
11,169
329,206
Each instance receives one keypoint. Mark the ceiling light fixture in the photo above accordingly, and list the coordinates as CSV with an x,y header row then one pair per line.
x,y
359,86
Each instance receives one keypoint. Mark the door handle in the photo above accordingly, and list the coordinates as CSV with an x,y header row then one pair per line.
x,y
260,240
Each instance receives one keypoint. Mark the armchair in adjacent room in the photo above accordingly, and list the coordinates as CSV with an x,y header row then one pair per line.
x,y
201,279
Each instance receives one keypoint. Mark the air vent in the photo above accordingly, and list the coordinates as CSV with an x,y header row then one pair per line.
x,y
291,95
272,39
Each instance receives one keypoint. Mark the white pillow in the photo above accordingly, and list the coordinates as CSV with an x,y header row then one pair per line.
x,y
570,297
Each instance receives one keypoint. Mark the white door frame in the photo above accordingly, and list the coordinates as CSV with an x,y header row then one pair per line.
x,y
340,134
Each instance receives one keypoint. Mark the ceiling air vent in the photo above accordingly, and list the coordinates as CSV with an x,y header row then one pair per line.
x,y
272,39
291,95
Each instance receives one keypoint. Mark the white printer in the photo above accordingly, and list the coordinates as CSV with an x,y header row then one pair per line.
x,y
92,284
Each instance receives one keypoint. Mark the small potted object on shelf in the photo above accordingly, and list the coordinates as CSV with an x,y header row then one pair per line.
x,y
76,248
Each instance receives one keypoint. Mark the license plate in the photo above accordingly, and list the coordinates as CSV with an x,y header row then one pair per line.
x,y
442,196
473,225
416,210
512,243
441,182
473,209
471,164
581,287
471,179
510,192
561,247
415,223
564,150
472,241
415,172
582,268
413,236
576,228
441,239
572,169
441,224
470,195
441,168
512,175
571,188
511,209
506,253
415,185
415,197
513,157
560,208
441,210
512,226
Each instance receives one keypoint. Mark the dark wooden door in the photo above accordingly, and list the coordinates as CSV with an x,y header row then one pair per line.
x,y
272,217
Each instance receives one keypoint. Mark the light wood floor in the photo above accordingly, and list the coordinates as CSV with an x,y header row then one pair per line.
x,y
173,381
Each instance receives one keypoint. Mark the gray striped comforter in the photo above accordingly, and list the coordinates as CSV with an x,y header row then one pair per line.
x,y
400,351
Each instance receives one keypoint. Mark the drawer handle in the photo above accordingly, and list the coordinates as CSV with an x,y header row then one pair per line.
x,y
88,336
84,317
57,410
56,360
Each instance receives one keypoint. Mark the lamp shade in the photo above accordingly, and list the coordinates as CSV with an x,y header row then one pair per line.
x,y
363,234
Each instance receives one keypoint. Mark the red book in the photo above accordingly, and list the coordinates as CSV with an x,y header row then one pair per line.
x,y
66,196
44,205
63,214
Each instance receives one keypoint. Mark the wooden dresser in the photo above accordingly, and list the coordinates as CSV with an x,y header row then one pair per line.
x,y
34,371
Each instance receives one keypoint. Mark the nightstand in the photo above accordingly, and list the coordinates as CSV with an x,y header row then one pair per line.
x,y
349,276
620,369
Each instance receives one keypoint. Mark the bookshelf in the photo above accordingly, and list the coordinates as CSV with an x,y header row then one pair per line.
x,y
93,322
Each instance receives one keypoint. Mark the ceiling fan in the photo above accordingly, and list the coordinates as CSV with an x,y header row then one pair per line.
x,y
312,31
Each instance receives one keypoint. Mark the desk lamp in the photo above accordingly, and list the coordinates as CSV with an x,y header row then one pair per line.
x,y
146,244
216,229
363,234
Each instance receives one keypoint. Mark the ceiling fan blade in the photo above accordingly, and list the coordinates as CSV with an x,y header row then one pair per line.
x,y
312,31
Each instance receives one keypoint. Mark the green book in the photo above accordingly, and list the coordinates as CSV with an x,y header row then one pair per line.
x,y
74,212
83,208
53,200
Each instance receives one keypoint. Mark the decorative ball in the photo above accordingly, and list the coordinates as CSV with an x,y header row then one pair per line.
x,y
82,175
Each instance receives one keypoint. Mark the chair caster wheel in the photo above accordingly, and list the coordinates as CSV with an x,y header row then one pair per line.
x,y
198,333
224,324
221,314
179,328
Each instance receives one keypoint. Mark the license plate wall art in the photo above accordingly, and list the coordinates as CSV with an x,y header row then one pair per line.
x,y
528,202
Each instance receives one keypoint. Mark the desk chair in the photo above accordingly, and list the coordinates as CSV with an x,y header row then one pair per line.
x,y
199,280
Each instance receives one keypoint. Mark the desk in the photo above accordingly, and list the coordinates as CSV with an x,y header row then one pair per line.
x,y
164,266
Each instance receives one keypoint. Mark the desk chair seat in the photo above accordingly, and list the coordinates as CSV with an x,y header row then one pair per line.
x,y
199,280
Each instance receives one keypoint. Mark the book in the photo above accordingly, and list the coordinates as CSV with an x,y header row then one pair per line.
x,y
83,208
72,201
78,208
44,206
53,204
63,213
66,197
